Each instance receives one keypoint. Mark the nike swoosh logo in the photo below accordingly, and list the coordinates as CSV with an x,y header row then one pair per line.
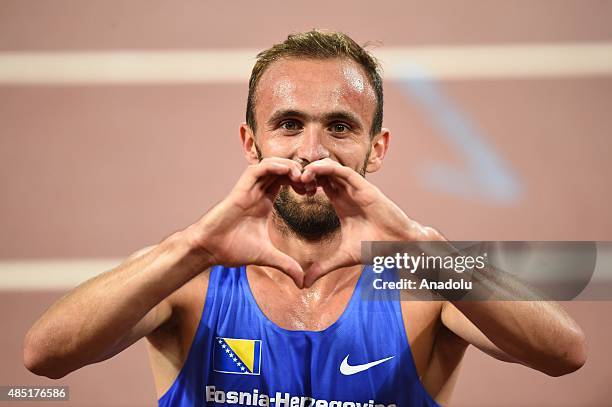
x,y
348,370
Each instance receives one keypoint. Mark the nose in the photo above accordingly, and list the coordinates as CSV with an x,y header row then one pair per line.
x,y
312,145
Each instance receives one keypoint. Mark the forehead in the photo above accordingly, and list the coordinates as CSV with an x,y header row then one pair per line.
x,y
315,86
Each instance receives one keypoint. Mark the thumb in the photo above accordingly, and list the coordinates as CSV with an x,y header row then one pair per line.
x,y
279,260
323,267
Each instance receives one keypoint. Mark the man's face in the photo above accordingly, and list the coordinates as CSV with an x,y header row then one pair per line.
x,y
307,110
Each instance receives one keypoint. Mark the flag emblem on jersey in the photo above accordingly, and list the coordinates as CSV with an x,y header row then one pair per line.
x,y
239,356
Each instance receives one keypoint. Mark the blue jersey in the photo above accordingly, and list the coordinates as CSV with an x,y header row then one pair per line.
x,y
239,357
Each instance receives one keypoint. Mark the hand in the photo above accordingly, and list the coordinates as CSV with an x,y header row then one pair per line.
x,y
235,231
365,213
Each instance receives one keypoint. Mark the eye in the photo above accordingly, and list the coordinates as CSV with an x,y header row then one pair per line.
x,y
340,128
290,125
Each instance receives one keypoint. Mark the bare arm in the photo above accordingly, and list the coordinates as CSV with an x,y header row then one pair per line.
x,y
108,313
538,334
523,328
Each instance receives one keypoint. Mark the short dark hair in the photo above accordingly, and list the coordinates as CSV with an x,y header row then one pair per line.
x,y
318,44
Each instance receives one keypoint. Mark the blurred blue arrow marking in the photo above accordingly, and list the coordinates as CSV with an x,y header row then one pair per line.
x,y
484,175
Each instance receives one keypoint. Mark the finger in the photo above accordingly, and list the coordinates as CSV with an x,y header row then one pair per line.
x,y
262,175
286,264
333,169
270,184
296,167
274,185
275,166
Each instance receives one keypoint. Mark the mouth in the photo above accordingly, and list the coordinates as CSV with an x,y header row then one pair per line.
x,y
310,197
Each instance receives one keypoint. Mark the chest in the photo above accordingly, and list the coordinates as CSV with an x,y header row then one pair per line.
x,y
310,311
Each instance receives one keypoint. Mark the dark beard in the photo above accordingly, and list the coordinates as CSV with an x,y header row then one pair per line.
x,y
312,219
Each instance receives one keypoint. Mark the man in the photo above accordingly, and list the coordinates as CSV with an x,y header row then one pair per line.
x,y
281,323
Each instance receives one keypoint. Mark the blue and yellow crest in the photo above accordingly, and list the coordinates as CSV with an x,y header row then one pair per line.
x,y
239,356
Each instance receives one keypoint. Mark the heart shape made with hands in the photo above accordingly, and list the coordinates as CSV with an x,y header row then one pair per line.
x,y
365,214
334,180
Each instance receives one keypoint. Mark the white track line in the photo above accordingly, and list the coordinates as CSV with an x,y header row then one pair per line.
x,y
64,274
233,66
60,274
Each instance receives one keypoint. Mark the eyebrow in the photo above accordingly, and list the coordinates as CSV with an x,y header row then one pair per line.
x,y
284,113
339,115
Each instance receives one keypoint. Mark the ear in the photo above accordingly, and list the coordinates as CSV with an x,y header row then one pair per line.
x,y
378,149
247,139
